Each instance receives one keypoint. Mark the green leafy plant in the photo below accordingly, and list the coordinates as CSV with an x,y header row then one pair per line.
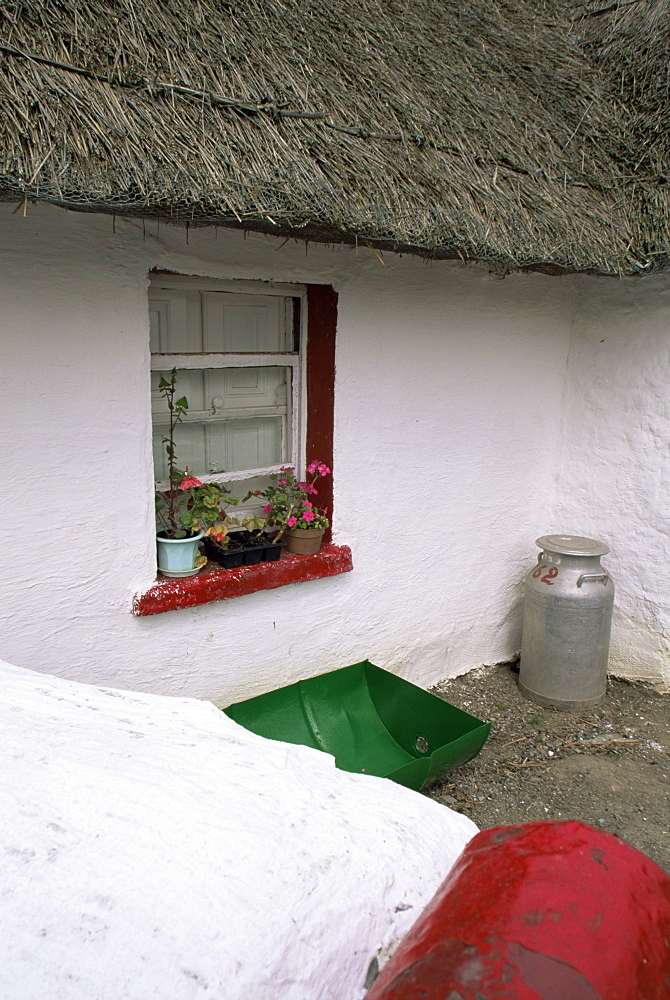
x,y
188,505
288,499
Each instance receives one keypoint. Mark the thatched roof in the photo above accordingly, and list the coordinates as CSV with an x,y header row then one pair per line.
x,y
629,44
494,129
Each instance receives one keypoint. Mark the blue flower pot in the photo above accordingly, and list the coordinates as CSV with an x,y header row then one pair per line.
x,y
176,556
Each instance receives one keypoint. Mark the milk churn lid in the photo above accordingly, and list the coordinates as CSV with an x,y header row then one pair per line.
x,y
572,545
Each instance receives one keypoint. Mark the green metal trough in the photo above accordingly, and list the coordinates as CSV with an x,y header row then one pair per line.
x,y
371,721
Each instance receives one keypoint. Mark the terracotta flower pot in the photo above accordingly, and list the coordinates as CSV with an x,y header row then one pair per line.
x,y
303,541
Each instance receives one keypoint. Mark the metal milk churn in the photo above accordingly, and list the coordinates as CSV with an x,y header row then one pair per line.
x,y
567,618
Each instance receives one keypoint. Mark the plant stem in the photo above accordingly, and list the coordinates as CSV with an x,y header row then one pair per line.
x,y
171,455
285,525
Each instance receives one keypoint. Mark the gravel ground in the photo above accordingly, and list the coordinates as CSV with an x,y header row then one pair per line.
x,y
608,766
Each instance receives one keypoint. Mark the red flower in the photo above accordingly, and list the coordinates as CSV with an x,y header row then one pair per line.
x,y
189,483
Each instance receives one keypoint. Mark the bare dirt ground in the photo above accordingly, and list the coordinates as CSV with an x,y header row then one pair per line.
x,y
608,766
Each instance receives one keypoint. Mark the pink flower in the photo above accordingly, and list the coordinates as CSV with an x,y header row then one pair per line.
x,y
189,483
303,486
308,503
323,469
287,468
267,508
308,515
283,482
310,489
291,521
312,467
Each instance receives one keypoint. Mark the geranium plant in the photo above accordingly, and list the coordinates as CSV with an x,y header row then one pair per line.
x,y
290,502
188,505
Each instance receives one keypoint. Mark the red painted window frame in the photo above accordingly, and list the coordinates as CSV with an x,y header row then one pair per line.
x,y
320,385
214,584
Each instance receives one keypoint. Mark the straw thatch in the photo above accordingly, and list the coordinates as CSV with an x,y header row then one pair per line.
x,y
492,130
629,43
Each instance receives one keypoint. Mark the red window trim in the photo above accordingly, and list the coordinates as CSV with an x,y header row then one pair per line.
x,y
214,583
320,382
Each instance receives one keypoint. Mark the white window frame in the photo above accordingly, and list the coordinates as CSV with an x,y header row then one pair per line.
x,y
284,359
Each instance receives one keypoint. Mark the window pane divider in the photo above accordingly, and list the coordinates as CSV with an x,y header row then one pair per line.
x,y
207,417
228,477
198,362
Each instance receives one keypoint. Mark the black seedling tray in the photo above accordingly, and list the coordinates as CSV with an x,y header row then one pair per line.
x,y
247,550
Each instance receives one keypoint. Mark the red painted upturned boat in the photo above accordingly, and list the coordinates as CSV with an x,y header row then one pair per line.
x,y
542,911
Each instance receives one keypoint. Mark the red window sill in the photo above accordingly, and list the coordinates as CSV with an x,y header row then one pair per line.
x,y
216,584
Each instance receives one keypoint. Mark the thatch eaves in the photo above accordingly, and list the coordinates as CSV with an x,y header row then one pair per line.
x,y
485,130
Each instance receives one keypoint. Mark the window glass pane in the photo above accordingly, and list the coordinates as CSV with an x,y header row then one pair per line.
x,y
191,322
239,324
237,419
176,322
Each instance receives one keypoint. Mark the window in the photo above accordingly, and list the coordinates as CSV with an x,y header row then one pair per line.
x,y
257,365
239,364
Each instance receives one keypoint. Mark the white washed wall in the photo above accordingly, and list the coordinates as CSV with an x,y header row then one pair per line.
x,y
615,462
450,385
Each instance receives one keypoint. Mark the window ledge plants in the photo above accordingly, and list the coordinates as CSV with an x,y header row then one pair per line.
x,y
288,518
188,511
281,546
